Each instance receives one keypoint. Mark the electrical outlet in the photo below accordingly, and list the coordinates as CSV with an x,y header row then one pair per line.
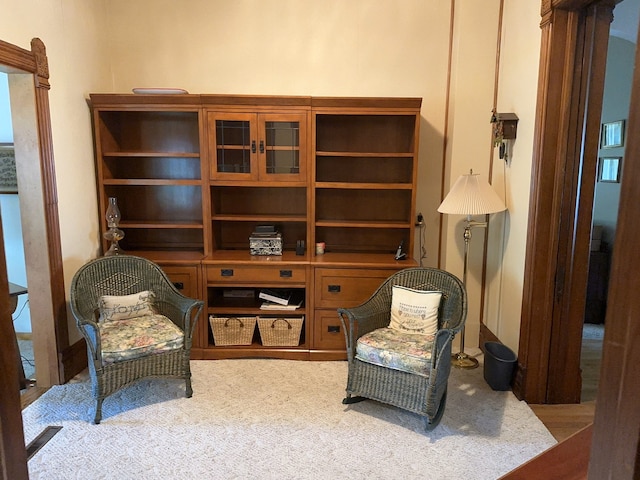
x,y
419,220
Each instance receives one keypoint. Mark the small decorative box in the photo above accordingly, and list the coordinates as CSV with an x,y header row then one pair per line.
x,y
270,244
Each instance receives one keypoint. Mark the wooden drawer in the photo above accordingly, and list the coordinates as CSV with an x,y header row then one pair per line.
x,y
185,279
346,287
328,333
253,274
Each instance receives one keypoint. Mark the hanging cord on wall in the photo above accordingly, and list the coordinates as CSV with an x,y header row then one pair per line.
x,y
421,239
502,246
24,359
423,250
21,310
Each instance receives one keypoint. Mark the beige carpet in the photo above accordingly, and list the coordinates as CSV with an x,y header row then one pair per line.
x,y
278,419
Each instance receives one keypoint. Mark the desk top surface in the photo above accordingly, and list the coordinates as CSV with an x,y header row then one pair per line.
x,y
15,289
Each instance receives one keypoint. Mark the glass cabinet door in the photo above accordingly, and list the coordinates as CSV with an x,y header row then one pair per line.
x,y
232,146
257,147
282,147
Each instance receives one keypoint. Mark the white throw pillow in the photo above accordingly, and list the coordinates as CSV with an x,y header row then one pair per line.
x,y
114,307
414,311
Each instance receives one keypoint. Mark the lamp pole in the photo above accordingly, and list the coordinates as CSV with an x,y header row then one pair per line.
x,y
461,359
469,196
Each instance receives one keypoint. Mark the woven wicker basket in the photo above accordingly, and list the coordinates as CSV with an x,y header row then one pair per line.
x,y
280,332
232,330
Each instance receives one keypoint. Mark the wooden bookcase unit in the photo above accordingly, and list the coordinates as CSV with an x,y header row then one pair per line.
x,y
195,174
149,157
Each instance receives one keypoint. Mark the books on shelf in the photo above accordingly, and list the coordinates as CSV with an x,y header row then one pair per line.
x,y
277,306
281,297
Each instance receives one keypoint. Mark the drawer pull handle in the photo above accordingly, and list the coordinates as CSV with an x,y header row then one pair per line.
x,y
333,329
286,273
334,288
226,272
179,285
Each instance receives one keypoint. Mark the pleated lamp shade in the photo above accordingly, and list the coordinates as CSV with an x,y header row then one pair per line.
x,y
471,196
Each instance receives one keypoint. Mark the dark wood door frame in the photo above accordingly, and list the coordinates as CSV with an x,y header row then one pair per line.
x,y
571,81
615,452
13,454
52,332
572,64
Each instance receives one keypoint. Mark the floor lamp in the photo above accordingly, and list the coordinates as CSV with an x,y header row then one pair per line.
x,y
470,196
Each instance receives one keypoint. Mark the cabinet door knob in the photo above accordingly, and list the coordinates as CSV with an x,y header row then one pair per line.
x,y
333,329
253,146
261,146
226,272
334,288
286,273
179,285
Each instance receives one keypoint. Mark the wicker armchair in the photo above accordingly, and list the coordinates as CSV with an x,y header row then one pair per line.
x,y
424,393
126,275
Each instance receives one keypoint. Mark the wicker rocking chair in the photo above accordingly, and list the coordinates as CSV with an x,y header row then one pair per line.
x,y
418,384
100,296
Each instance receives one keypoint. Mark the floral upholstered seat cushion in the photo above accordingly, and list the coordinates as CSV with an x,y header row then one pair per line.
x,y
395,349
139,336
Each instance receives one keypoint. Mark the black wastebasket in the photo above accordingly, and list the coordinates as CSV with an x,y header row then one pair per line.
x,y
499,365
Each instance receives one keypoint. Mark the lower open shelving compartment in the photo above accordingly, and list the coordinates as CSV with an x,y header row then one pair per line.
x,y
238,327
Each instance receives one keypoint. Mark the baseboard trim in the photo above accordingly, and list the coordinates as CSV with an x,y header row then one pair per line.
x,y
73,360
487,335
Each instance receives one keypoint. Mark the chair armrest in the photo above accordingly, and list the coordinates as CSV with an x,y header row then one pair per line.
x,y
181,310
91,332
442,347
360,320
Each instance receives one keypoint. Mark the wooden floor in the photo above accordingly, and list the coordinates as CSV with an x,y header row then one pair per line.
x,y
30,395
564,420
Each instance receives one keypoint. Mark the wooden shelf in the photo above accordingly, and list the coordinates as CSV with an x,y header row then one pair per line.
x,y
171,256
134,154
244,257
195,175
360,224
151,182
364,186
353,154
260,218
163,225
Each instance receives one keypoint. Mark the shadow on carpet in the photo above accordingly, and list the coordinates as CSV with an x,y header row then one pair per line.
x,y
283,419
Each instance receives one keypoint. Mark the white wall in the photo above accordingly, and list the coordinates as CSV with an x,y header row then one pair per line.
x,y
11,225
6,131
615,106
517,93
296,47
14,251
74,34
469,137
355,48
304,47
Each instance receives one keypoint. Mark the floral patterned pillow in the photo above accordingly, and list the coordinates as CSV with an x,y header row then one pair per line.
x,y
128,306
414,311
